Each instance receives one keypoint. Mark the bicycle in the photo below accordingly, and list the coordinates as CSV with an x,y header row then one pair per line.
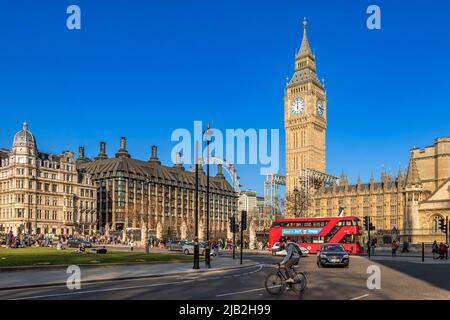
x,y
276,282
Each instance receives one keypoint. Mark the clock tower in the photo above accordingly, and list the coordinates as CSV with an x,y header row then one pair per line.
x,y
305,117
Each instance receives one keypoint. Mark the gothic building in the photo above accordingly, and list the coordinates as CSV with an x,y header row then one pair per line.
x,y
150,198
44,193
305,114
407,206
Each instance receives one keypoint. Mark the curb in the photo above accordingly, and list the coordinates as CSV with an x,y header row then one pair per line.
x,y
65,266
150,276
390,255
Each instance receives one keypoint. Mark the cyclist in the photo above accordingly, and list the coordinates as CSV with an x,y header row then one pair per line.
x,y
292,257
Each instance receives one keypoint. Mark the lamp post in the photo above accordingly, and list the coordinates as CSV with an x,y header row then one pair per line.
x,y
295,201
196,245
208,136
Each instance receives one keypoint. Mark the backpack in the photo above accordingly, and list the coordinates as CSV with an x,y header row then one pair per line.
x,y
297,248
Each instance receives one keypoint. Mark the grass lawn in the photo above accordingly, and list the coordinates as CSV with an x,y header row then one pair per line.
x,y
51,256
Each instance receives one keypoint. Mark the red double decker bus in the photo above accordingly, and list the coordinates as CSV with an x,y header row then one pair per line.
x,y
312,233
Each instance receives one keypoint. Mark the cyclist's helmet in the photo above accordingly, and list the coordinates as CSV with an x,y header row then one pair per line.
x,y
282,239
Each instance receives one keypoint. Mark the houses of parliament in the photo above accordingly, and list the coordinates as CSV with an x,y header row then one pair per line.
x,y
406,206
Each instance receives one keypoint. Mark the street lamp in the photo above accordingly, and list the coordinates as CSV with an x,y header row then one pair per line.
x,y
208,136
295,201
196,245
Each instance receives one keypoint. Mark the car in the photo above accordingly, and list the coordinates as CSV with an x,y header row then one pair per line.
x,y
332,254
176,245
75,243
277,251
188,248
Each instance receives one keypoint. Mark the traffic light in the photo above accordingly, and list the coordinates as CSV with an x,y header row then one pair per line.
x,y
236,228
244,220
443,225
232,223
371,227
366,223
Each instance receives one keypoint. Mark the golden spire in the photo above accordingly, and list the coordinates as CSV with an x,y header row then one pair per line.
x,y
305,48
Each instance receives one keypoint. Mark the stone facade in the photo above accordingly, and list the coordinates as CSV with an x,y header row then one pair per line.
x,y
44,193
146,196
305,114
407,206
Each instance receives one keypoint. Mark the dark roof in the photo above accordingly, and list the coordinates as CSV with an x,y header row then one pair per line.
x,y
48,156
153,170
364,187
4,153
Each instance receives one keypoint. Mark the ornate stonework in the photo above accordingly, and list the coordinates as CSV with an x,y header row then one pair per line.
x,y
44,193
305,114
405,206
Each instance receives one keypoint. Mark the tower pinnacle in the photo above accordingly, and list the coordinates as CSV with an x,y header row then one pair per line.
x,y
305,48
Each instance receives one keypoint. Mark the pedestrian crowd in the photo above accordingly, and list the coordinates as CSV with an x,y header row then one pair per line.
x,y
439,251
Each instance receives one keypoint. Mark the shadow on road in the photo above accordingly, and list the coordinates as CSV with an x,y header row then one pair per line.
x,y
435,274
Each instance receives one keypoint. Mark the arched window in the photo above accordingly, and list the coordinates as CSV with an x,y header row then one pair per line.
x,y
435,224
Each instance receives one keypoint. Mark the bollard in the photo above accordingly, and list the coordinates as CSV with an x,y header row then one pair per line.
x,y
423,252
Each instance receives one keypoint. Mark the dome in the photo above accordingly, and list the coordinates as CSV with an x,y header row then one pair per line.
x,y
24,138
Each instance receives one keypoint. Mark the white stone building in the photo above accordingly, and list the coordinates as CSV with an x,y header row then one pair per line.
x,y
44,193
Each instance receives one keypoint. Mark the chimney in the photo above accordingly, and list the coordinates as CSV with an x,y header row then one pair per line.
x,y
123,148
81,153
154,157
123,144
219,170
102,154
178,163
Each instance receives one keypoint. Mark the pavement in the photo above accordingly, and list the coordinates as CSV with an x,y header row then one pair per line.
x,y
55,276
399,279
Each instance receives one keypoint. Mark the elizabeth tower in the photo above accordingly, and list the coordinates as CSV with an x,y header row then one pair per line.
x,y
305,117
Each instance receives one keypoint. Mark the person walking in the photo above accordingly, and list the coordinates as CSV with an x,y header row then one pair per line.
x,y
216,249
405,248
394,247
435,249
442,250
446,251
373,244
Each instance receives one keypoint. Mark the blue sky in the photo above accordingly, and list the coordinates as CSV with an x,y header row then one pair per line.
x,y
144,68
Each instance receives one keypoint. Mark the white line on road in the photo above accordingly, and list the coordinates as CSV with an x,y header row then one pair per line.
x,y
101,290
119,289
240,292
363,296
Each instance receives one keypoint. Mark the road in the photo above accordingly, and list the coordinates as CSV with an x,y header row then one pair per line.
x,y
399,280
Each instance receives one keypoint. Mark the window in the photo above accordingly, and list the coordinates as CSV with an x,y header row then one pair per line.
x,y
366,211
435,224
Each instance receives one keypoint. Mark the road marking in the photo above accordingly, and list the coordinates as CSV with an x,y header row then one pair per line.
x,y
118,289
101,290
240,292
363,296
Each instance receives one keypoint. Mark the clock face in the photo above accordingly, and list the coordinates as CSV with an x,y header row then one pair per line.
x,y
320,107
298,106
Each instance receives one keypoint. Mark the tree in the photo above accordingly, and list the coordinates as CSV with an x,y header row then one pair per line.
x,y
297,203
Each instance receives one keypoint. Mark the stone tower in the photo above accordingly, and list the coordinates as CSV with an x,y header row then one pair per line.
x,y
305,114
